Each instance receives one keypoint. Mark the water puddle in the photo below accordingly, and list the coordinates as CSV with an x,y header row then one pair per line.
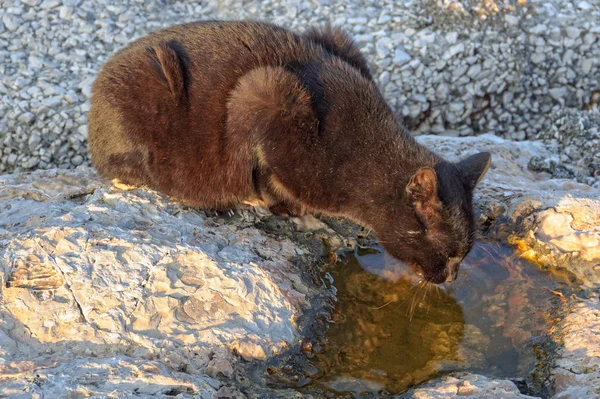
x,y
389,333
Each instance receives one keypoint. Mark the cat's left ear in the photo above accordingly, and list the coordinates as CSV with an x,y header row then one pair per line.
x,y
474,167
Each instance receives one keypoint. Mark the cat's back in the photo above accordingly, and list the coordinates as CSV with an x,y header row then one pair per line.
x,y
159,106
211,57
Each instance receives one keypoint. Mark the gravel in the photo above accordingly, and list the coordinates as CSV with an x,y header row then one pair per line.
x,y
575,135
456,68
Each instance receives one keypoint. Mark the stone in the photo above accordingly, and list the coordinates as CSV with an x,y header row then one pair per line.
x,y
584,5
401,57
129,276
26,117
474,71
77,160
538,58
466,386
538,29
511,19
573,32
65,12
586,65
452,37
558,93
11,22
83,131
577,369
454,50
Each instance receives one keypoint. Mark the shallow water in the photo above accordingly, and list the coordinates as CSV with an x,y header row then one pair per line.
x,y
390,333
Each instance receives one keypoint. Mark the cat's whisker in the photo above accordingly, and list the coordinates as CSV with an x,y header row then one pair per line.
x,y
490,254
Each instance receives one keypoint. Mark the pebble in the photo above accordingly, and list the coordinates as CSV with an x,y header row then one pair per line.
x,y
401,57
454,50
11,22
77,160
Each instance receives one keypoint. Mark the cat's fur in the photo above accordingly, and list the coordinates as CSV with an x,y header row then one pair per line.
x,y
217,113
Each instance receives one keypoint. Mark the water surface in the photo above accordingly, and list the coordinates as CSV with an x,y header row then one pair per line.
x,y
389,332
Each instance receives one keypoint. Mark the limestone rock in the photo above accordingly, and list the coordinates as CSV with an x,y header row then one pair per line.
x,y
466,386
106,291
577,371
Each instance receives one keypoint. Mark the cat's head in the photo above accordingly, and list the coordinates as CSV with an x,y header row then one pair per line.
x,y
437,232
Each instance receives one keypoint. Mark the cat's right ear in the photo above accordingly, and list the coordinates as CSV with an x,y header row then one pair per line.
x,y
474,167
421,192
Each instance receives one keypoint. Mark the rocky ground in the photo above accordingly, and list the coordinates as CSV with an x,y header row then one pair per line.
x,y
100,289
447,67
154,296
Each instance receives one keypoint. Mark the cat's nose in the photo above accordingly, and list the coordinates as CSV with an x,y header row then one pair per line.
x,y
452,271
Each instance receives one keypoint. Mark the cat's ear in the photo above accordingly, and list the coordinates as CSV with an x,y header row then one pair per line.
x,y
421,192
474,167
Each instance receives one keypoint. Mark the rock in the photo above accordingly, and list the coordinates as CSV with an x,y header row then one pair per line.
x,y
83,131
577,369
26,117
558,93
454,50
538,29
466,386
401,57
573,32
127,376
538,58
511,19
65,12
584,5
96,282
77,160
452,37
474,71
586,65
11,22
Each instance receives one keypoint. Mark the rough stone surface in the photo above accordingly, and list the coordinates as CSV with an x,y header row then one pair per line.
x,y
575,135
466,386
577,371
154,296
454,67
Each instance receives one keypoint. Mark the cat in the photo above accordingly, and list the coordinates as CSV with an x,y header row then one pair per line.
x,y
217,113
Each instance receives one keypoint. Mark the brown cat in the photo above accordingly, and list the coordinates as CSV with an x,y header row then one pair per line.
x,y
217,113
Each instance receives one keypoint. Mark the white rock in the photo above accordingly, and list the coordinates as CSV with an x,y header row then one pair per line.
x,y
401,57
471,386
573,32
586,65
474,71
538,58
511,19
452,37
83,131
34,140
65,12
11,22
26,117
77,160
558,93
454,50
584,5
